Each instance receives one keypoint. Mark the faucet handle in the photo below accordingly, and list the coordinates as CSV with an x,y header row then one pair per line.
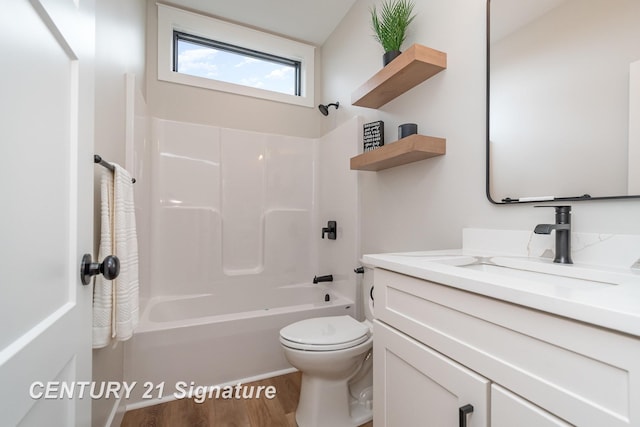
x,y
563,213
559,208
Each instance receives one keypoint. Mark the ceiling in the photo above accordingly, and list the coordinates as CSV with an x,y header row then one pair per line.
x,y
310,21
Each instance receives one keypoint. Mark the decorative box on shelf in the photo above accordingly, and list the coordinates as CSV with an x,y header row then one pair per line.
x,y
373,135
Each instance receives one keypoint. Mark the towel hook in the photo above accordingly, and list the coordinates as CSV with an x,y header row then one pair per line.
x,y
110,268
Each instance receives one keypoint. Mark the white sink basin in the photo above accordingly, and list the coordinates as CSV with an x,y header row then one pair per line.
x,y
565,280
542,270
534,275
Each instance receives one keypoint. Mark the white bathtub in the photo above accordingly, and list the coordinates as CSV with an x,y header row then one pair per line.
x,y
218,339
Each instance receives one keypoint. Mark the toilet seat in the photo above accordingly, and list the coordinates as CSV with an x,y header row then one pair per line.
x,y
325,334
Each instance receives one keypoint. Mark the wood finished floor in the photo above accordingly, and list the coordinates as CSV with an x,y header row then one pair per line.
x,y
277,412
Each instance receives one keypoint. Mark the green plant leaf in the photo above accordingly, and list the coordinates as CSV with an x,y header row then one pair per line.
x,y
390,23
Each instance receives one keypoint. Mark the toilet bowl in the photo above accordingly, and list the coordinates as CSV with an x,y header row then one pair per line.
x,y
334,355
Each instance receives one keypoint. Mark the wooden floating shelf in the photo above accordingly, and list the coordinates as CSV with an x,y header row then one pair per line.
x,y
406,150
412,67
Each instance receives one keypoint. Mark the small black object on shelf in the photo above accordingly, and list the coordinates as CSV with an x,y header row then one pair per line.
x,y
407,129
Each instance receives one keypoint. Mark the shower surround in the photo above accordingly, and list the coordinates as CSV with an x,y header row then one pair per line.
x,y
235,240
230,205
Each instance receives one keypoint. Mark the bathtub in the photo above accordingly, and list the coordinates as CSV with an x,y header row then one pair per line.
x,y
217,339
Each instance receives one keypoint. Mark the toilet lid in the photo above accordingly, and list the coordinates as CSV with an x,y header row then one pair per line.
x,y
324,333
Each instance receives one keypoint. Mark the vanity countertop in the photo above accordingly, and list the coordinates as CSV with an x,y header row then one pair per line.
x,y
602,295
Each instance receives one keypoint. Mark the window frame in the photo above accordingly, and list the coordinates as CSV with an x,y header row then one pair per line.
x,y
226,47
171,19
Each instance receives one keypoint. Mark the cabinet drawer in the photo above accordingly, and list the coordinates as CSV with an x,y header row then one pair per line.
x,y
585,374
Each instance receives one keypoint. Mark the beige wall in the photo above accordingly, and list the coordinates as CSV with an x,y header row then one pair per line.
x,y
426,204
120,45
173,101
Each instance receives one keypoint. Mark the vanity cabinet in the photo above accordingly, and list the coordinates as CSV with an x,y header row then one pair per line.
x,y
438,348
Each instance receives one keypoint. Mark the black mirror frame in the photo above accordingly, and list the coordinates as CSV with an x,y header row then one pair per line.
x,y
509,201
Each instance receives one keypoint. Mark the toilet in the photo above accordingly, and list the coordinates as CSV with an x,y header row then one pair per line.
x,y
334,355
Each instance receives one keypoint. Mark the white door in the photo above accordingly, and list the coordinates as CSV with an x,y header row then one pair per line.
x,y
46,212
414,385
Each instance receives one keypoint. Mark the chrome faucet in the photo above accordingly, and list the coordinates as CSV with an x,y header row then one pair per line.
x,y
563,233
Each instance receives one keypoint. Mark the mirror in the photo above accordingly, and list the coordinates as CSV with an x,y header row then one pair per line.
x,y
563,100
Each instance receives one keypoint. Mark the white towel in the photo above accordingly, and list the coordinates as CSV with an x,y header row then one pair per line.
x,y
102,290
125,309
115,303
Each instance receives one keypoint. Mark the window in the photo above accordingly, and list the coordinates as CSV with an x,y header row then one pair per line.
x,y
201,51
211,59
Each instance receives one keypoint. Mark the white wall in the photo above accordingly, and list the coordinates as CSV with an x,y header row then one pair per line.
x,y
426,204
634,127
190,104
337,200
120,45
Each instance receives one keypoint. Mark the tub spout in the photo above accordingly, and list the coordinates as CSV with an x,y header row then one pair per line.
x,y
327,278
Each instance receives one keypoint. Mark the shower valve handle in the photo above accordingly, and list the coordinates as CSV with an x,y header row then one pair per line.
x,y
330,229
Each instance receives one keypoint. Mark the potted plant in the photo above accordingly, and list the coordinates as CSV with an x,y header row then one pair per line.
x,y
390,26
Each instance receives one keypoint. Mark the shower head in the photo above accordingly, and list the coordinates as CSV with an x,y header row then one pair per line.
x,y
324,109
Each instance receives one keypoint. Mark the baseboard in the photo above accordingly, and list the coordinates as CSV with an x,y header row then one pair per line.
x,y
117,414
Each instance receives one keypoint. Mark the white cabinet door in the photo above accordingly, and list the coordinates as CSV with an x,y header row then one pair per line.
x,y
46,193
416,386
508,410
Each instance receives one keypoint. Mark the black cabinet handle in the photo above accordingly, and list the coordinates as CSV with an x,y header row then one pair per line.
x,y
463,411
